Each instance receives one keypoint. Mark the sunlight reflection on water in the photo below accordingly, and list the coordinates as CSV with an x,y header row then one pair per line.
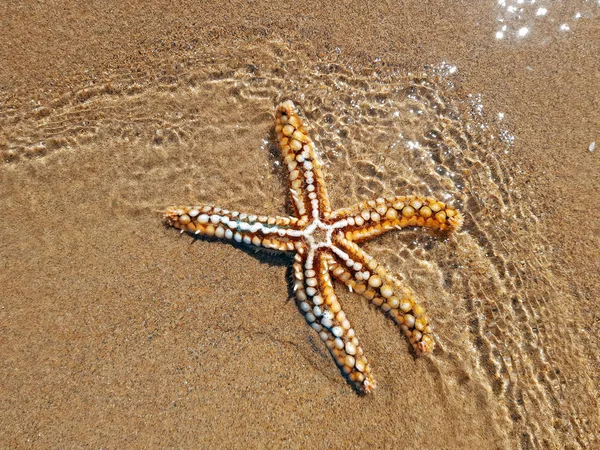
x,y
541,20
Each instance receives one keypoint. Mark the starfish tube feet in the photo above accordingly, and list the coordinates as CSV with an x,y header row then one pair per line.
x,y
374,217
316,299
307,187
364,275
276,233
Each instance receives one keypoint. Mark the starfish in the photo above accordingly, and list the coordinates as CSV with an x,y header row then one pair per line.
x,y
325,246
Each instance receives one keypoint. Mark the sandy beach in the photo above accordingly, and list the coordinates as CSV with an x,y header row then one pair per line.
x,y
117,331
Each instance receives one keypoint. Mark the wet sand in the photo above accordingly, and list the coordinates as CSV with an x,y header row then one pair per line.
x,y
117,332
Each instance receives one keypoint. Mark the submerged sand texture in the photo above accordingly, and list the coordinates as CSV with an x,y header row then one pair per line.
x,y
117,332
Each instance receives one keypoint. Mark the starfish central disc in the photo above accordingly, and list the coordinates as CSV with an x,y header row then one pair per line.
x,y
318,234
325,246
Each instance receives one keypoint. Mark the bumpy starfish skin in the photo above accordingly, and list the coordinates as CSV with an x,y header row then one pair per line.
x,y
324,243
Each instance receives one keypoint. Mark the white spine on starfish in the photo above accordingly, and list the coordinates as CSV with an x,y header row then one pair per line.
x,y
241,225
310,260
340,224
342,254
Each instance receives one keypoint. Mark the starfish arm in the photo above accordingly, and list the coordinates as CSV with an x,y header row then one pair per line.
x,y
364,275
317,301
273,232
307,187
369,219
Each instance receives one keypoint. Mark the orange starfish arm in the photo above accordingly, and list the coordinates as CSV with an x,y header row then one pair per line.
x,y
307,187
374,217
316,299
274,232
364,275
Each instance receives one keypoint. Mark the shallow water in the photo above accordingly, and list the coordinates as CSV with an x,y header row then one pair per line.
x,y
101,158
